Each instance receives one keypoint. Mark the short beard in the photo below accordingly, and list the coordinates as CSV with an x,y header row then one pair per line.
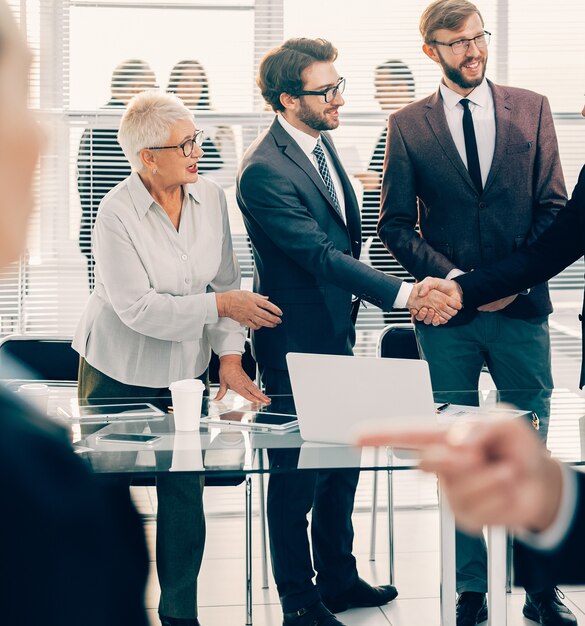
x,y
455,75
316,121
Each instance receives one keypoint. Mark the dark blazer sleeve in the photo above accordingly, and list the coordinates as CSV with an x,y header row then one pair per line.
x,y
399,212
559,246
549,193
566,565
293,229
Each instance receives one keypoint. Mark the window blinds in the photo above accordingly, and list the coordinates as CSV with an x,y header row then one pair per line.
x,y
91,56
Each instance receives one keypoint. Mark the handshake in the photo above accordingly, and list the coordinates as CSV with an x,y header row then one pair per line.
x,y
435,300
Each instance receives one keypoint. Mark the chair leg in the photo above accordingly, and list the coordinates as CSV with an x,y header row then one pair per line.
x,y
248,551
374,511
509,564
263,535
391,526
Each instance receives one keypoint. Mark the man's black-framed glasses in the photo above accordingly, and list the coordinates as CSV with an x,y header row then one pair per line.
x,y
187,146
462,45
329,94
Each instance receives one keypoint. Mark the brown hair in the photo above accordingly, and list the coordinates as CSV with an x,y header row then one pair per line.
x,y
191,68
448,14
128,73
281,68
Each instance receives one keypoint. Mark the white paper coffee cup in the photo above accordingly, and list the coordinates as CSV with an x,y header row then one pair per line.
x,y
187,400
36,394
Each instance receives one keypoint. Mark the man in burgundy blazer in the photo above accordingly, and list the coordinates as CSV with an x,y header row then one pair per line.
x,y
476,167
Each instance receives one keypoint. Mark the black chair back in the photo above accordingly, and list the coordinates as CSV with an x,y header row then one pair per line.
x,y
398,341
38,358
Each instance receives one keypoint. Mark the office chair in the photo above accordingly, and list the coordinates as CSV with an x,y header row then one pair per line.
x,y
36,357
397,341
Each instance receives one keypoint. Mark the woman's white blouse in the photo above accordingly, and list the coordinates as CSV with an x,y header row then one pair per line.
x,y
152,317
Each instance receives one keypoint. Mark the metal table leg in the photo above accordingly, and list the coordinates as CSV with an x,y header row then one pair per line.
x,y
374,510
264,538
497,552
248,551
448,585
391,525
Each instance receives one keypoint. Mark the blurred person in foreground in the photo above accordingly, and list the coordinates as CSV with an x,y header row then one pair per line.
x,y
499,473
73,550
188,80
303,220
166,295
101,164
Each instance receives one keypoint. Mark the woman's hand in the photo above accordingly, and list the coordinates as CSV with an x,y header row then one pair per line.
x,y
251,309
232,376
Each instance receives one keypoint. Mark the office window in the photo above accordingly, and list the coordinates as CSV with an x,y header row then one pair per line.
x,y
79,43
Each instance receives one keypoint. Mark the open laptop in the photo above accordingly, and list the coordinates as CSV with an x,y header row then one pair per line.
x,y
335,394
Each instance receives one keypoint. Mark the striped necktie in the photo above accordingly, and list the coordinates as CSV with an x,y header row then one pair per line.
x,y
325,175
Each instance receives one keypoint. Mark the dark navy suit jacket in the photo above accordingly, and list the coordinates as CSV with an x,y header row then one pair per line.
x,y
563,566
306,255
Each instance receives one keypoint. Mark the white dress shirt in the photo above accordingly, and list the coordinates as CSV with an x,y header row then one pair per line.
x,y
307,144
483,113
152,317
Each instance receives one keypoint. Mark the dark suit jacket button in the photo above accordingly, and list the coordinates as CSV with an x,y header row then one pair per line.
x,y
483,205
580,317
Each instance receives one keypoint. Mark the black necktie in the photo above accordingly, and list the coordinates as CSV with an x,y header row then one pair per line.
x,y
471,146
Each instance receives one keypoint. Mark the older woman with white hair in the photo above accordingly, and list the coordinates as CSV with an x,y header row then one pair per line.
x,y
166,294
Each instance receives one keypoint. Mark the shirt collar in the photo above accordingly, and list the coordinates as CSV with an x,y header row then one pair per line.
x,y
143,200
306,142
479,96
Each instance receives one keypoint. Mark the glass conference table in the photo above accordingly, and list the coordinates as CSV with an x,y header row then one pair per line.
x,y
228,450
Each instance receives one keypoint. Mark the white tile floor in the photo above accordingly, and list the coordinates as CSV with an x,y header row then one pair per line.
x,y
222,590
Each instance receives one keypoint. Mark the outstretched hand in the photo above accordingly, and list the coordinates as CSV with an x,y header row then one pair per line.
x,y
493,473
435,301
248,308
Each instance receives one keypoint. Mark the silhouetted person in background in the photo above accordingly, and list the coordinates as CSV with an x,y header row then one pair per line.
x,y
395,87
101,164
188,80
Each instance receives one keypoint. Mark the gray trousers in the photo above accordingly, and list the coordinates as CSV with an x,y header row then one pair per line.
x,y
180,529
517,353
